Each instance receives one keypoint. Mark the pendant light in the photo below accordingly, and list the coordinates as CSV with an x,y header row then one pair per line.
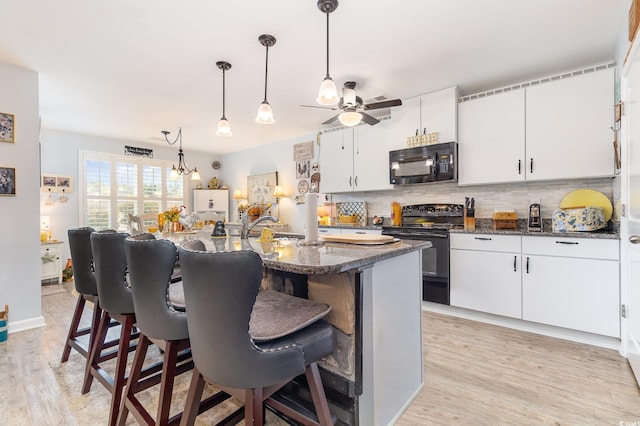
x,y
350,117
224,128
328,93
265,114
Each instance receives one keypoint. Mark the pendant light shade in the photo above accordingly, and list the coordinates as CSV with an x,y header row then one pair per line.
x,y
350,118
224,128
328,93
265,114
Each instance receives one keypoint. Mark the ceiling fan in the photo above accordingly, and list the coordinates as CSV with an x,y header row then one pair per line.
x,y
353,107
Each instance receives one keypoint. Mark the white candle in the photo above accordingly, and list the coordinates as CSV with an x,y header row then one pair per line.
x,y
311,225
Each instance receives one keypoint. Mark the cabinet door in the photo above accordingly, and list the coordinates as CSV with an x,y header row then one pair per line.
x,y
336,161
439,112
568,127
211,200
405,120
491,139
371,157
581,294
487,282
50,262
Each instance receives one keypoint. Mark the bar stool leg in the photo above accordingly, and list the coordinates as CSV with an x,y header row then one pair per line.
x,y
121,365
73,329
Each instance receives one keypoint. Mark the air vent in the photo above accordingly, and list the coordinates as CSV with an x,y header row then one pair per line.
x,y
537,82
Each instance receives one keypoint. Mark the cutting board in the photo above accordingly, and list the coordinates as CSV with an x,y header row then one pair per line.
x,y
587,198
359,238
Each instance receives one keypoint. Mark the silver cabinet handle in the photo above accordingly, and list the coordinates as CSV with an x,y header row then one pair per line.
x,y
575,243
634,239
531,165
515,258
349,180
483,238
519,166
527,265
355,181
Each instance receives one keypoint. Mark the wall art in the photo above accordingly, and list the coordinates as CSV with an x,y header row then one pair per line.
x,y
7,181
7,127
55,183
260,188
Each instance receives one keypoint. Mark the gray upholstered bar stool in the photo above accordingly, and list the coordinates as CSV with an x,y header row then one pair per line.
x,y
220,293
85,285
116,301
151,263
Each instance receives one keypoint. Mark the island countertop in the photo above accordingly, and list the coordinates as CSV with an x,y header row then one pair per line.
x,y
288,255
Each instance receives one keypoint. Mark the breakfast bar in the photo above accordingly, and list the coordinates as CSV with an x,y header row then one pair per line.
x,y
375,292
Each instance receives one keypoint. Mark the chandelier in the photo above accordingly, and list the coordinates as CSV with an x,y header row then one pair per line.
x,y
182,168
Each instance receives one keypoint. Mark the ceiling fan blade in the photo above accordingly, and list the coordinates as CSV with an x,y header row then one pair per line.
x,y
369,119
331,120
383,104
321,107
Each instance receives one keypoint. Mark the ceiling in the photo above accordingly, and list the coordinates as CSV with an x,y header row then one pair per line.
x,y
129,69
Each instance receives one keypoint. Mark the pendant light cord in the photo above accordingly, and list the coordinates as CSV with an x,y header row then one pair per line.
x,y
327,76
223,94
266,71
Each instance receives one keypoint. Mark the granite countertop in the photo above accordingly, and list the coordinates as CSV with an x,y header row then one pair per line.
x,y
286,254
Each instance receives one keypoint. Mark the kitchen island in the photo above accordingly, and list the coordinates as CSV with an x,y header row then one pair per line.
x,y
378,370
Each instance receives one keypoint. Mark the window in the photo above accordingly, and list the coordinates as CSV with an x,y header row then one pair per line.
x,y
117,185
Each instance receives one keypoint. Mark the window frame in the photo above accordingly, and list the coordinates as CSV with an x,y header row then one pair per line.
x,y
113,198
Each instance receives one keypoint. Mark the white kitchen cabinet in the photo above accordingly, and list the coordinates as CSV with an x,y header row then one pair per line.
x,y
491,135
557,129
211,200
568,131
572,283
486,273
355,159
50,263
435,112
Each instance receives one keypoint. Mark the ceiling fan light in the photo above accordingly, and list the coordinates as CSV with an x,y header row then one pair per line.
x,y
350,118
328,93
174,173
265,114
224,128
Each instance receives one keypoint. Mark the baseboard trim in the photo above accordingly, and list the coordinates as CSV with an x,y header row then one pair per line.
x,y
28,324
531,327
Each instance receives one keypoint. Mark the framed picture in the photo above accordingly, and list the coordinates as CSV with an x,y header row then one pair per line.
x,y
55,183
7,181
302,169
260,188
7,127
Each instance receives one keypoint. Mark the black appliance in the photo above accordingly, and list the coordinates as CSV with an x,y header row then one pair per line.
x,y
424,164
431,222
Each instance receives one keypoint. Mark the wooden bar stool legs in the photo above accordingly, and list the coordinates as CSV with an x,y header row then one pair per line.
x,y
75,332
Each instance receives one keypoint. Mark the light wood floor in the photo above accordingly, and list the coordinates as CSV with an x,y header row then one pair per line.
x,y
474,374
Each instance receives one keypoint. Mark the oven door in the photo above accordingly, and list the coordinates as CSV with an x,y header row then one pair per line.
x,y
435,269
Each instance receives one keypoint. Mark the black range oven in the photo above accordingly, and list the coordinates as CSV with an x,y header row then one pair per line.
x,y
431,222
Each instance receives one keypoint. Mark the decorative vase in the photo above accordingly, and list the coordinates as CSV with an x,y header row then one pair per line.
x,y
175,227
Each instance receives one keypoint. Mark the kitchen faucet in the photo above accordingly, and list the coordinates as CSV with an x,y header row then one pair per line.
x,y
246,227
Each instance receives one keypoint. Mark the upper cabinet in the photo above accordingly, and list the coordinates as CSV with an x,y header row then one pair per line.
x,y
556,129
355,159
435,112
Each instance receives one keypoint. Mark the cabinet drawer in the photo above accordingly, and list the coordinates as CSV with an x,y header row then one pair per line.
x,y
572,247
486,242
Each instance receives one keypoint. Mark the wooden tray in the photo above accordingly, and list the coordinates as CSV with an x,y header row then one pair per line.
x,y
366,239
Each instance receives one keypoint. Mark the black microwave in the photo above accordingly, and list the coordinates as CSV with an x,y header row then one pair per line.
x,y
424,164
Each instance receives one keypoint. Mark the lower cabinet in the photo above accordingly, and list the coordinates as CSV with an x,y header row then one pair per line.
x,y
572,283
50,264
560,281
485,273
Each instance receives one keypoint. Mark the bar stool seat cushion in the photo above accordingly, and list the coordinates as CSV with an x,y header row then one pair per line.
x,y
316,341
286,314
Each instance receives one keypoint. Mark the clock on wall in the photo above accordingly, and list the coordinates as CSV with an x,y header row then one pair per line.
x,y
215,165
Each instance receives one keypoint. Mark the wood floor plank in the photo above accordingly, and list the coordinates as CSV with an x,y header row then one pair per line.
x,y
475,373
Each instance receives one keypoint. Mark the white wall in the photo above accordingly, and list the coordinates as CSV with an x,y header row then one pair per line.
x,y
19,233
60,155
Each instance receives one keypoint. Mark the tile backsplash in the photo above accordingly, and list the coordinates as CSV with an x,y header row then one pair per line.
x,y
508,196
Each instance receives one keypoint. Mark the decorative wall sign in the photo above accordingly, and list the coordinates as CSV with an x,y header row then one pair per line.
x,y
55,183
303,169
138,152
7,127
315,183
303,151
7,181
303,187
260,188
